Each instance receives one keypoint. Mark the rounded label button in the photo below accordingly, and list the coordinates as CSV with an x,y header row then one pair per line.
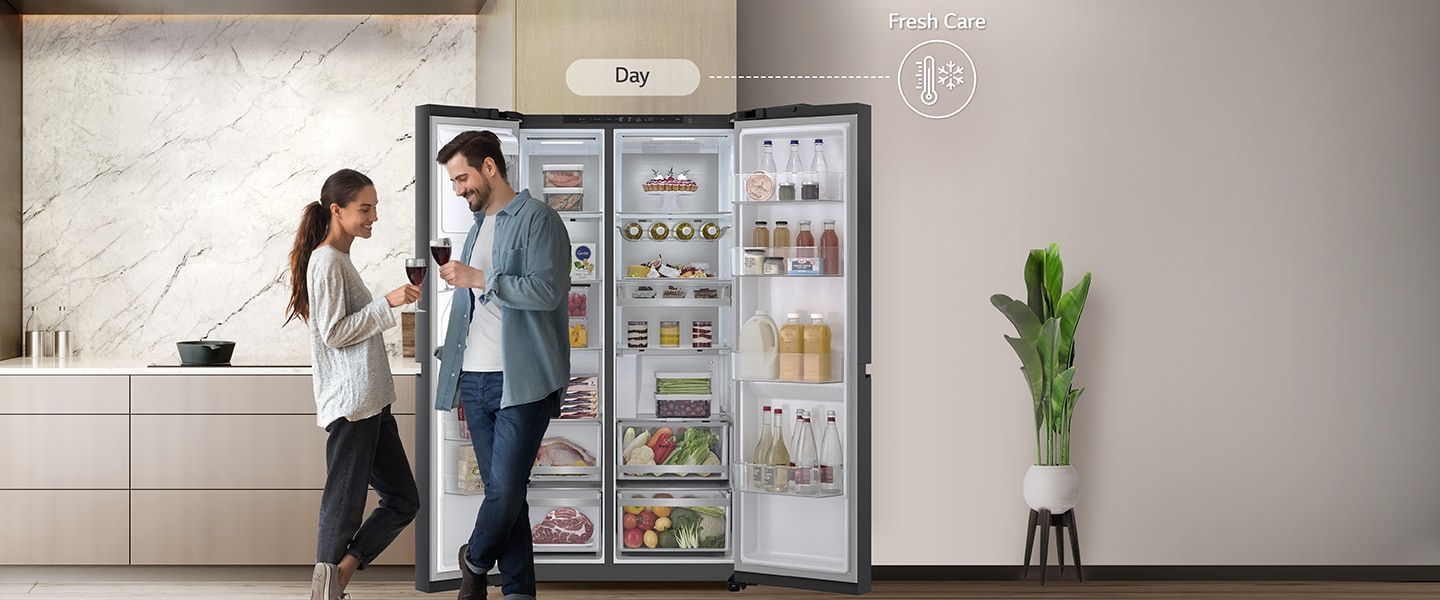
x,y
632,77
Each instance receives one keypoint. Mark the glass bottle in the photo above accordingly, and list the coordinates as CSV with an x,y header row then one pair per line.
x,y
792,172
832,458
804,241
780,238
817,162
830,249
792,348
816,365
795,444
806,461
767,160
776,477
760,237
762,451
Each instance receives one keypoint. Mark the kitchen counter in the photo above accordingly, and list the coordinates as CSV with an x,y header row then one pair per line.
x,y
281,365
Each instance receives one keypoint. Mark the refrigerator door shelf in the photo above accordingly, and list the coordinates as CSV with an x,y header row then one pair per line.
x,y
744,477
658,351
805,187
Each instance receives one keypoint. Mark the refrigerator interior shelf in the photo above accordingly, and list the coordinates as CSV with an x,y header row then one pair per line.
x,y
786,202
580,216
783,382
456,492
671,302
586,547
658,351
693,281
672,238
787,276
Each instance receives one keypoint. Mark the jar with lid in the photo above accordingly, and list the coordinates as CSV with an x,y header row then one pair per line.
x,y
669,334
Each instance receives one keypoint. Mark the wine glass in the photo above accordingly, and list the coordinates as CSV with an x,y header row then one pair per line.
x,y
440,249
415,270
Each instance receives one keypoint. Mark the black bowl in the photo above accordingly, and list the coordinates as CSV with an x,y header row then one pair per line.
x,y
205,352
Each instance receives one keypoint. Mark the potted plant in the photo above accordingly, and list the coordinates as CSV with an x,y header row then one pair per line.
x,y
1046,346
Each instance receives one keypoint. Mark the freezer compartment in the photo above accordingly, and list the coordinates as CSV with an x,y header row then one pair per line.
x,y
566,521
693,449
569,452
801,187
751,478
653,523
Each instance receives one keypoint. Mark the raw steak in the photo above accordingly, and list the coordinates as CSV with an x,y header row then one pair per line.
x,y
563,526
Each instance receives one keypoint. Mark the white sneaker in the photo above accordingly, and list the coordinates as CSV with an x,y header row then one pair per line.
x,y
325,583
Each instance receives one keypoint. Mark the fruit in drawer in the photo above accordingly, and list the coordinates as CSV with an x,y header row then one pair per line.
x,y
662,523
647,520
651,539
634,510
630,521
634,538
660,511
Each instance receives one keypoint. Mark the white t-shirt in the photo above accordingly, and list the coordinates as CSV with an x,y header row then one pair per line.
x,y
482,347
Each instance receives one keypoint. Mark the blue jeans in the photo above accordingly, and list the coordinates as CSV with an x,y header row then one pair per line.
x,y
358,455
506,442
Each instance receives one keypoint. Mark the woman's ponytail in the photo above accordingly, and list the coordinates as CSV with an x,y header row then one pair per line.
x,y
314,226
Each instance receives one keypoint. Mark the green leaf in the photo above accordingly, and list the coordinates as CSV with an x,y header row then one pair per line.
x,y
1071,305
1047,345
1059,397
1054,279
1024,321
1074,396
1030,367
1034,284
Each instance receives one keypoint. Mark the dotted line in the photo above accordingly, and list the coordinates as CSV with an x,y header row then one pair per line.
x,y
799,76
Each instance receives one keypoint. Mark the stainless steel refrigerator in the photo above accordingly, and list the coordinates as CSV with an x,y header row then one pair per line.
x,y
666,273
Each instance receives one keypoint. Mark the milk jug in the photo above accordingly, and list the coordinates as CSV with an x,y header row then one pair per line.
x,y
758,349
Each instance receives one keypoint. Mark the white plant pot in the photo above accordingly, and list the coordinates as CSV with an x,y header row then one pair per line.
x,y
1055,489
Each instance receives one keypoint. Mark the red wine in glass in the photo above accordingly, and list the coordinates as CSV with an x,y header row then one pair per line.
x,y
415,269
441,253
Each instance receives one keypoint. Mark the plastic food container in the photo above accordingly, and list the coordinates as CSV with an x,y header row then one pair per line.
x,y
565,199
563,176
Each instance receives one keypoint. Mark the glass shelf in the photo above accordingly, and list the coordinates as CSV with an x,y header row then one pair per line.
x,y
682,351
671,215
742,276
745,473
580,216
759,187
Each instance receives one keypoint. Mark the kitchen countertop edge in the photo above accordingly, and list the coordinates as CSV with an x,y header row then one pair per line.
x,y
139,366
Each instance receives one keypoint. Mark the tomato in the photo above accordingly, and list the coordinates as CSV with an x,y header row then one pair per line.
x,y
630,521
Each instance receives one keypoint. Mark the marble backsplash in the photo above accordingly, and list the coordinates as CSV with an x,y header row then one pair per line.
x,y
167,160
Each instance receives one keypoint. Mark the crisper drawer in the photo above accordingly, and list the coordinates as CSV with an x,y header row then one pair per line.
x,y
570,450
655,523
670,449
566,521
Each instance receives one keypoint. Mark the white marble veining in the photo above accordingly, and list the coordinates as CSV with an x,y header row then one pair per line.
x,y
167,160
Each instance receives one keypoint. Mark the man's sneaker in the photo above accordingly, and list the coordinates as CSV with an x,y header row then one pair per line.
x,y
325,583
472,586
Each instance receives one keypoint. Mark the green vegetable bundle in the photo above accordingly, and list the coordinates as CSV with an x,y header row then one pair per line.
x,y
682,386
694,446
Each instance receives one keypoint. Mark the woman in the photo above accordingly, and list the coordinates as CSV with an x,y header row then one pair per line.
x,y
353,385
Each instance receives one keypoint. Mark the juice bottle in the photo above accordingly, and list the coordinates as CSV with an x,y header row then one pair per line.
x,y
817,350
792,348
760,237
804,242
757,349
830,249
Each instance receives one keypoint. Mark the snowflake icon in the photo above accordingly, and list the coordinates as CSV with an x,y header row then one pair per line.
x,y
950,75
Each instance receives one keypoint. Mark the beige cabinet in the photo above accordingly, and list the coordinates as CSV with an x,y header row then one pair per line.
x,y
236,527
85,452
65,527
168,469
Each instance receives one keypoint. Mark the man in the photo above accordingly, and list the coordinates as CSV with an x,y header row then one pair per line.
x,y
506,356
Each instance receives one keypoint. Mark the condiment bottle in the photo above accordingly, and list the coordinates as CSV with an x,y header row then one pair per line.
x,y
760,238
830,249
804,241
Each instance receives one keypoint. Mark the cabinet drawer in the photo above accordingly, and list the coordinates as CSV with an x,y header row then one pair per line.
x,y
226,394
64,452
239,527
65,527
83,394
235,451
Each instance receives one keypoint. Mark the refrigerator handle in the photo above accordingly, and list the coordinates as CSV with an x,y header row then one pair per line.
x,y
867,369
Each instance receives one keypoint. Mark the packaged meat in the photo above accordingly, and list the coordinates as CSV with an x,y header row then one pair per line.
x,y
565,199
561,452
563,176
563,526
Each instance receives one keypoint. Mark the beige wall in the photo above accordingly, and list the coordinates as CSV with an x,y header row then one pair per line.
x,y
551,34
495,55
1253,186
10,216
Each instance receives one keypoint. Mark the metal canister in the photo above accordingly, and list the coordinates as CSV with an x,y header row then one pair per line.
x,y
34,344
62,343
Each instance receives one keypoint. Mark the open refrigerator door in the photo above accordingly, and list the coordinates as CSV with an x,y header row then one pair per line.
x,y
803,524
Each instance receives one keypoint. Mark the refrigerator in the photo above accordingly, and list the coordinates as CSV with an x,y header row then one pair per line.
x,y
666,273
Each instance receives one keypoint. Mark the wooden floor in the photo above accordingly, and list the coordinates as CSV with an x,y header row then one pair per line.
x,y
928,590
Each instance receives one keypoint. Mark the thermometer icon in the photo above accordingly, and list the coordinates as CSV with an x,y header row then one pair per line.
x,y
927,81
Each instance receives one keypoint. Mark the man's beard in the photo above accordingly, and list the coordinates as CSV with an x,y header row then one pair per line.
x,y
480,198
